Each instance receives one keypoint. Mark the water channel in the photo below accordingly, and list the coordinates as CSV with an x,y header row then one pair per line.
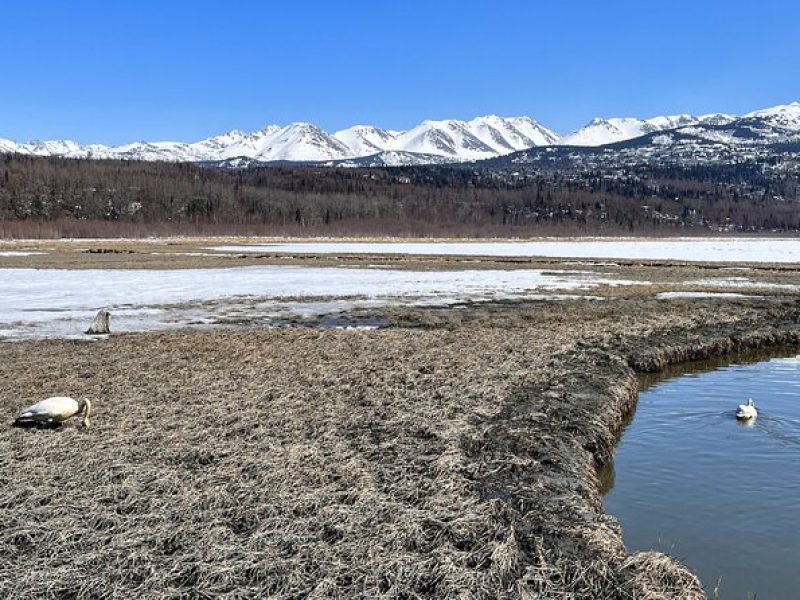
x,y
721,494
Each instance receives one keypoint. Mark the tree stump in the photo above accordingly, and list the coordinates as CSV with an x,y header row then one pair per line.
x,y
100,324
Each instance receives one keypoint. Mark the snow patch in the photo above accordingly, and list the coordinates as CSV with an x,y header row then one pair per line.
x,y
61,303
758,250
743,282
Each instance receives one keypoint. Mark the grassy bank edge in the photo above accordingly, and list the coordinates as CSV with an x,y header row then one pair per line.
x,y
566,539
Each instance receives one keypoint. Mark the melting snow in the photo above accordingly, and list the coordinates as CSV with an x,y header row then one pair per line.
x,y
743,282
62,303
685,249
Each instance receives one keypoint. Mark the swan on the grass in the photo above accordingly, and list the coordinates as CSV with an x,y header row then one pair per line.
x,y
747,411
51,412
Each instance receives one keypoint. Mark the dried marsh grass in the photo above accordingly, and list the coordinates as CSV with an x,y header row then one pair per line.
x,y
453,460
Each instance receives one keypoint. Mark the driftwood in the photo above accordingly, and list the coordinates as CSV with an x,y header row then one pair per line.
x,y
100,325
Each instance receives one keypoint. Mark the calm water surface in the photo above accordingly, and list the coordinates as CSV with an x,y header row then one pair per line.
x,y
723,496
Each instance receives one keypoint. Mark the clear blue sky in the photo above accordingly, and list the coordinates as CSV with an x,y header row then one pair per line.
x,y
113,72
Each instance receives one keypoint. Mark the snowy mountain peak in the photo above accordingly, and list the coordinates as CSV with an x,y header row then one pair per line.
x,y
482,137
365,140
429,142
606,131
618,129
784,119
303,126
716,119
268,130
451,139
301,142
782,109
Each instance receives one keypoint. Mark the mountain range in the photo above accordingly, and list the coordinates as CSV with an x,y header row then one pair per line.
x,y
435,142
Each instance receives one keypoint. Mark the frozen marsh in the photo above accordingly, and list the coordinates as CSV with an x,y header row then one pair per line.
x,y
59,303
759,250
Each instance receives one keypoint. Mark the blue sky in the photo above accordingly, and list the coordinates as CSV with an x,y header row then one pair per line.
x,y
113,72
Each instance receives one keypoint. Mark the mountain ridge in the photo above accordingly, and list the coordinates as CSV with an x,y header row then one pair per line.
x,y
431,141
451,139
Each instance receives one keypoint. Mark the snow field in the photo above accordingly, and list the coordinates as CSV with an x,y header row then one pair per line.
x,y
759,250
58,303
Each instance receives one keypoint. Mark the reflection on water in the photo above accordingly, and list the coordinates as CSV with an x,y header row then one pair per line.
x,y
721,494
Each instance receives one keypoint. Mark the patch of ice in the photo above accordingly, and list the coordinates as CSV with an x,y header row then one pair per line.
x,y
58,303
759,250
789,361
743,282
20,252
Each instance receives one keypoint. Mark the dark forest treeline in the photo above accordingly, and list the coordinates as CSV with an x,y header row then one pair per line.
x,y
46,197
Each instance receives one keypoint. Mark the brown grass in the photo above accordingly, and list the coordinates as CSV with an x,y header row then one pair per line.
x,y
455,459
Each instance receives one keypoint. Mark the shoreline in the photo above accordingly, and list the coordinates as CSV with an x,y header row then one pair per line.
x,y
614,397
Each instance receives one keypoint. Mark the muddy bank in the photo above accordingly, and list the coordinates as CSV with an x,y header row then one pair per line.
x,y
452,455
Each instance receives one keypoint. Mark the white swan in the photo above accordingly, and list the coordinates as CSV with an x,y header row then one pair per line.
x,y
53,411
747,411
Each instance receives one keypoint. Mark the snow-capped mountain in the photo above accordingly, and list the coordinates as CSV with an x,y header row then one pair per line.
x,y
599,132
49,147
295,142
482,137
7,146
301,142
770,137
787,115
365,140
439,141
782,120
445,138
442,141
776,125
533,131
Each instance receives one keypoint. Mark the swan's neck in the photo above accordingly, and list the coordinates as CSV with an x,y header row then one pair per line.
x,y
87,412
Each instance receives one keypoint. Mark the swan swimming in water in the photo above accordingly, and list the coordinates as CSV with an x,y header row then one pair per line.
x,y
51,412
747,411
